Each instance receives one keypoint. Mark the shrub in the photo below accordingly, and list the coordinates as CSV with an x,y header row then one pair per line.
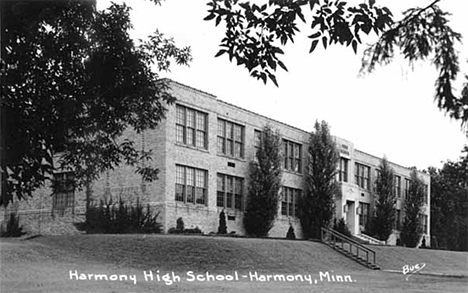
x,y
13,228
180,224
121,218
341,227
179,229
222,229
290,234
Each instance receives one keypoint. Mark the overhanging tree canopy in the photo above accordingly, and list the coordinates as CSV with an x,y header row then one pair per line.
x,y
72,81
255,35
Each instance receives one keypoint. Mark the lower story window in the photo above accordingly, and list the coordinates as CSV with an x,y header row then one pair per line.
x,y
191,185
64,190
289,201
230,192
423,220
364,214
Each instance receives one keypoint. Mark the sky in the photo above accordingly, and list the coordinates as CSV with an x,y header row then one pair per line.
x,y
389,112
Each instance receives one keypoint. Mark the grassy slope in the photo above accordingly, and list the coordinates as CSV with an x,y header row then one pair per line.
x,y
437,261
42,265
180,253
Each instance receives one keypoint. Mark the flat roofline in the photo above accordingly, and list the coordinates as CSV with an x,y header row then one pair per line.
x,y
268,118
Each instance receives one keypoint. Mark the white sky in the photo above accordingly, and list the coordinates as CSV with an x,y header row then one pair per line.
x,y
389,112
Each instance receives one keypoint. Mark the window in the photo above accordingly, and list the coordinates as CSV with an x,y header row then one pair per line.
x,y
191,127
364,214
64,190
361,176
425,193
191,185
289,201
230,139
407,187
423,219
292,156
397,186
398,220
343,174
230,192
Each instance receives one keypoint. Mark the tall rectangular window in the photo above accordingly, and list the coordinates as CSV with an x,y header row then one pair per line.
x,y
398,220
423,219
425,193
230,139
191,127
257,141
191,185
64,190
407,187
364,214
343,175
289,201
230,192
397,186
362,176
292,156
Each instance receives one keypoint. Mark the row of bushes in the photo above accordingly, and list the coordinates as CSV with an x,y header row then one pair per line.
x,y
121,218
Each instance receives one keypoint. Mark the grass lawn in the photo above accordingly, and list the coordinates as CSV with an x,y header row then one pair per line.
x,y
53,264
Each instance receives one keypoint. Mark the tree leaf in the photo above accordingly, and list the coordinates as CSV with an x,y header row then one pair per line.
x,y
312,47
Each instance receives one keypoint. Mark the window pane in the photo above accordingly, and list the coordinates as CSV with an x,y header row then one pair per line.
x,y
180,115
180,133
190,118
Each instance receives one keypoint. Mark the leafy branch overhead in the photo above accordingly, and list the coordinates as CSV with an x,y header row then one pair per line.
x,y
73,81
255,35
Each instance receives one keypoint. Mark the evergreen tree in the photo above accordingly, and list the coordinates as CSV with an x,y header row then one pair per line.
x,y
222,229
290,235
384,216
264,185
412,229
317,206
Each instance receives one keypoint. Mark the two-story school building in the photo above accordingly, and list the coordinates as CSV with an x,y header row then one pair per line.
x,y
203,149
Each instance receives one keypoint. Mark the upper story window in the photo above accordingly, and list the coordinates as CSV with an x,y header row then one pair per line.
x,y
191,185
362,176
230,139
64,190
289,201
343,174
397,186
407,187
230,192
191,127
292,156
425,193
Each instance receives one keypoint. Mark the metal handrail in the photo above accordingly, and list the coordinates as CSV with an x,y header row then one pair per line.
x,y
348,239
351,242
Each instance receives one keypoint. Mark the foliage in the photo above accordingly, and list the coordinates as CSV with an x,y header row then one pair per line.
x,y
180,228
384,216
317,206
180,224
290,234
412,229
449,204
255,35
121,218
341,227
13,228
72,81
264,185
222,229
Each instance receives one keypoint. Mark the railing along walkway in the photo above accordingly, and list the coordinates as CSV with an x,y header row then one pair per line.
x,y
350,248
